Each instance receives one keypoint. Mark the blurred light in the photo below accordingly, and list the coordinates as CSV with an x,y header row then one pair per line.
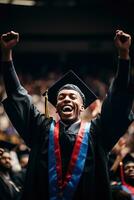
x,y
4,1
19,2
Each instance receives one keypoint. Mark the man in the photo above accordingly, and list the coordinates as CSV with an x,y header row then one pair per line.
x,y
8,189
68,159
126,181
124,146
122,170
127,174
23,157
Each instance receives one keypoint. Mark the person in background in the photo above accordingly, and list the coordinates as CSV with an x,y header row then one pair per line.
x,y
23,157
122,168
8,188
128,171
124,146
68,158
125,184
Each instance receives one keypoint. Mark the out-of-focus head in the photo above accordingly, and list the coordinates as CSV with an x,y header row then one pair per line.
x,y
5,161
128,163
23,157
5,157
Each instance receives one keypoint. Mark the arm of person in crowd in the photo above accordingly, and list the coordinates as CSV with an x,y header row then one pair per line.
x,y
18,105
118,102
130,139
120,150
124,146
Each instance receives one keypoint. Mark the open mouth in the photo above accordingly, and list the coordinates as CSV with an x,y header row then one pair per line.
x,y
67,109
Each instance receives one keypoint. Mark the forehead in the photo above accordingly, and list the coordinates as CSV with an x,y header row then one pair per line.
x,y
6,154
129,164
68,92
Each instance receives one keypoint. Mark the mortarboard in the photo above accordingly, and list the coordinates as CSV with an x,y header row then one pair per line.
x,y
7,145
70,78
128,158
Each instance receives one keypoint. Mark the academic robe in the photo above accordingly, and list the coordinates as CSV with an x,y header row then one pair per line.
x,y
104,133
8,190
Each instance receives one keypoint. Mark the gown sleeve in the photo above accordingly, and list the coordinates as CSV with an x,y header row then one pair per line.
x,y
25,117
116,108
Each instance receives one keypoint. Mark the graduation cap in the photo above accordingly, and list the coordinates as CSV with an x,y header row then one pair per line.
x,y
70,78
7,145
128,158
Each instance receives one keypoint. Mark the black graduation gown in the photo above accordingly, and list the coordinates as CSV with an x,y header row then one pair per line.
x,y
19,178
104,133
8,191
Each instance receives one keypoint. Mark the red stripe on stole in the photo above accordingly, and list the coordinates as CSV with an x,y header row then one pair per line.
x,y
74,156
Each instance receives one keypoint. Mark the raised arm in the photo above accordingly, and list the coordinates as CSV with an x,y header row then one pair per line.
x,y
18,105
117,105
12,83
122,43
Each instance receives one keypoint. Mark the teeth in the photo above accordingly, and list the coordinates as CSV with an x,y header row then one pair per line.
x,y
67,109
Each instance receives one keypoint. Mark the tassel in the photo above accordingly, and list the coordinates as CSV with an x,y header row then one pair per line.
x,y
46,104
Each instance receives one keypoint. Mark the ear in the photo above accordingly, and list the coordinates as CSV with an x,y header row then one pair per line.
x,y
82,108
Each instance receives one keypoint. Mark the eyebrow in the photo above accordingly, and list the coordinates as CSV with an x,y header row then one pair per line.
x,y
64,94
61,92
132,165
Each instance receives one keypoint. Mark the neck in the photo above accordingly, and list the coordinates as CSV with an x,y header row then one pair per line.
x,y
130,182
69,123
4,171
5,174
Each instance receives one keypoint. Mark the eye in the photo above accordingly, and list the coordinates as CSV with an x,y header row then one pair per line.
x,y
60,97
73,96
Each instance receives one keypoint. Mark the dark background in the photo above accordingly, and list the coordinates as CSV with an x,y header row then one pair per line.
x,y
63,34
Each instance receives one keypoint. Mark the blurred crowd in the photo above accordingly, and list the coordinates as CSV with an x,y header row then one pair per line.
x,y
38,86
14,159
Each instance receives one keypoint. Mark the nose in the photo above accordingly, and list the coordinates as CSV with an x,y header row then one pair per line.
x,y
131,169
67,98
8,160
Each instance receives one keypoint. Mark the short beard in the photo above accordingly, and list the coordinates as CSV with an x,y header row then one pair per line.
x,y
5,169
130,181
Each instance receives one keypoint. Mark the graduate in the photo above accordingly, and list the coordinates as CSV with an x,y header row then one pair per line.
x,y
8,188
127,174
68,158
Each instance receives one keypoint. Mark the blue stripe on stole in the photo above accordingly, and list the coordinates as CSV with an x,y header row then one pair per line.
x,y
80,163
52,165
70,188
127,190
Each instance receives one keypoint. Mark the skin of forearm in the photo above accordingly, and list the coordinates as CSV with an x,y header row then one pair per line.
x,y
6,55
124,54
